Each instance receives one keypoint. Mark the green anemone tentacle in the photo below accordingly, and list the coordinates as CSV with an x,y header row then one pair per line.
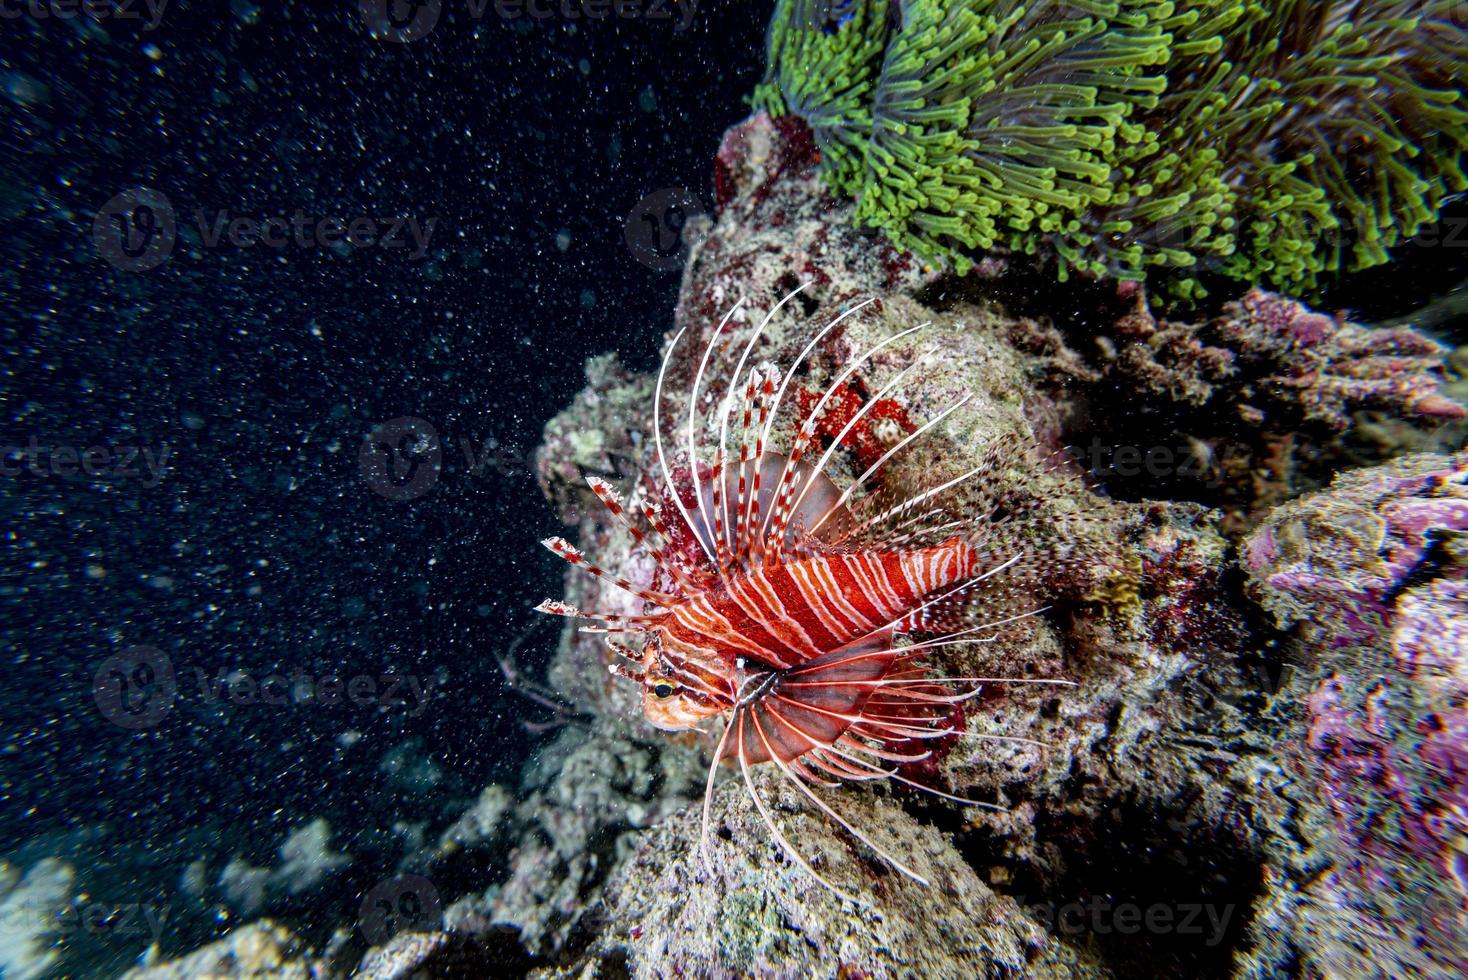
x,y
1280,143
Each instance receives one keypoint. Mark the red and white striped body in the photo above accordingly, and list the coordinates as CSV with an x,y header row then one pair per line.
x,y
796,610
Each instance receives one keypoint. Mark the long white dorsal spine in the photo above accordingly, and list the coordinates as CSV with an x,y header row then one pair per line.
x,y
871,470
692,434
739,370
775,535
846,430
757,549
657,435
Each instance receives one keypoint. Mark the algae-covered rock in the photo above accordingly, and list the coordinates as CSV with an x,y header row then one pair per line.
x,y
751,911
1370,572
1151,815
261,950
1270,359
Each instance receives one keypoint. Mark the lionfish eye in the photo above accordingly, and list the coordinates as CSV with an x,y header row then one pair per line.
x,y
662,691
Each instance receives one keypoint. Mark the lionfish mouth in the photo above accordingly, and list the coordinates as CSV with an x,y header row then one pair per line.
x,y
788,598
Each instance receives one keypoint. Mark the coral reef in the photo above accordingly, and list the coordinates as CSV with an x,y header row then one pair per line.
x,y
262,950
1258,771
1370,572
1244,410
752,913
482,825
1145,635
306,860
1346,553
491,953
1277,363
1171,750
582,802
1272,143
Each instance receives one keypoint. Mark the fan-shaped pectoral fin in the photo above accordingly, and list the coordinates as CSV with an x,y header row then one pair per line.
x,y
811,705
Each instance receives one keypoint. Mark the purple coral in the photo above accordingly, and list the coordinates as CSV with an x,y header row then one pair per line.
x,y
1340,558
1277,359
1385,610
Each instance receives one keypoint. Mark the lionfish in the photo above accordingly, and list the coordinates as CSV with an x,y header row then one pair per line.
x,y
801,614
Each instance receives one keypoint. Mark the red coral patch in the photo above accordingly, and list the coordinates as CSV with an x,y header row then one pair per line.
x,y
846,401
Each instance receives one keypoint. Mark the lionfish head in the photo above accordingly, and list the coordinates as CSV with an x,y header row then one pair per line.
x,y
683,687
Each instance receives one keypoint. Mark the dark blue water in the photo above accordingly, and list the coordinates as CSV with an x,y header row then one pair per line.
x,y
239,239
222,527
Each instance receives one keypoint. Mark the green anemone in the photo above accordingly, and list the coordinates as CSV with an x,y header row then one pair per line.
x,y
1278,143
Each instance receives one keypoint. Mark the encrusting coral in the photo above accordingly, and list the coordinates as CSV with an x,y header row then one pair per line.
x,y
1371,574
1184,782
1276,143
1251,357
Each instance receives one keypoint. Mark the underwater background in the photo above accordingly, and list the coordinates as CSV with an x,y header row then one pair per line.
x,y
253,374
262,659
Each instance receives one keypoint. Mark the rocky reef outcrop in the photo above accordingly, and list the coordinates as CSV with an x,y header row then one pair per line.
x,y
1371,573
1260,768
1196,774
